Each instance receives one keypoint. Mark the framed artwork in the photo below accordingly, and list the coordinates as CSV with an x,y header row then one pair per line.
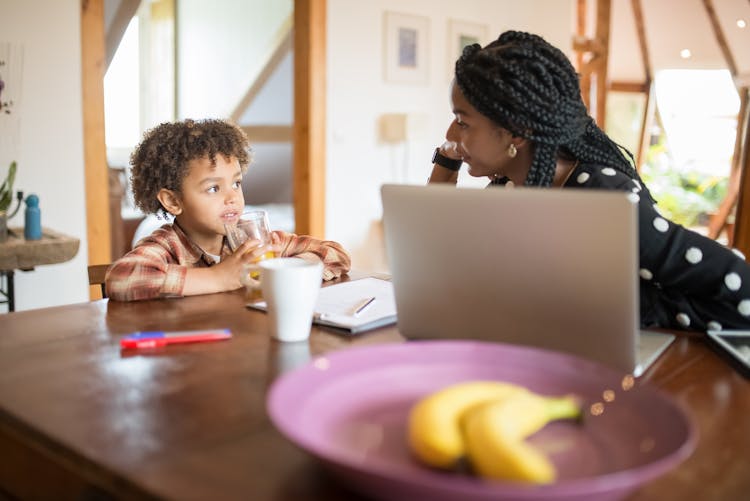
x,y
461,34
406,42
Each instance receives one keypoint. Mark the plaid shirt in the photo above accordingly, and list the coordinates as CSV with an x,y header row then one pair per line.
x,y
157,266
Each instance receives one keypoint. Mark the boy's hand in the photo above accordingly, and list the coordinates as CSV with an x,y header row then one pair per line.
x,y
231,267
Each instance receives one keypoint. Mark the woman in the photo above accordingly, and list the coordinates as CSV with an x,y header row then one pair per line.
x,y
520,120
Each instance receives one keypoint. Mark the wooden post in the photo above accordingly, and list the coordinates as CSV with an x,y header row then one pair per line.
x,y
593,70
309,116
580,59
742,220
603,8
93,59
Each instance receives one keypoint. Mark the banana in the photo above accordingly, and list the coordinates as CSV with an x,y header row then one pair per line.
x,y
434,428
495,433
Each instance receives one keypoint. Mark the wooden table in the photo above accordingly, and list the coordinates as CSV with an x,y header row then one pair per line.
x,y
79,419
17,253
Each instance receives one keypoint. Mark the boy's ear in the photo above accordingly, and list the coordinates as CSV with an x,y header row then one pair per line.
x,y
170,201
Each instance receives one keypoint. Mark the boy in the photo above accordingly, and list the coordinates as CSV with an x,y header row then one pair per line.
x,y
193,170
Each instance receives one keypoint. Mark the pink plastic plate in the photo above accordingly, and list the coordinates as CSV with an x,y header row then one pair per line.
x,y
349,409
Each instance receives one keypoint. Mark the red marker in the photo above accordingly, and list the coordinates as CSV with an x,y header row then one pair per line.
x,y
156,339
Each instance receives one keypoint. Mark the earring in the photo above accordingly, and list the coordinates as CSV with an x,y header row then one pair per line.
x,y
512,151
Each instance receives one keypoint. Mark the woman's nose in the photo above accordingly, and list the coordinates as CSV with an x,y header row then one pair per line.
x,y
451,134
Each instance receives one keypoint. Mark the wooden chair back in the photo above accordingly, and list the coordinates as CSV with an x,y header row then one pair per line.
x,y
96,276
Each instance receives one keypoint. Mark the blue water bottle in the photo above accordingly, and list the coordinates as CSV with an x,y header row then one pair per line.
x,y
32,230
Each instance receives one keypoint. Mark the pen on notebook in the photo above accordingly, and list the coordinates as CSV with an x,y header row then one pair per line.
x,y
155,339
363,306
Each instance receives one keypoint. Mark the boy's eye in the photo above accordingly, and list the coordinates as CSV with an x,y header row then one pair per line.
x,y
213,189
237,184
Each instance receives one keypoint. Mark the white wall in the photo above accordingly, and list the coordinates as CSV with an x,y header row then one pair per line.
x,y
49,146
219,54
50,142
358,96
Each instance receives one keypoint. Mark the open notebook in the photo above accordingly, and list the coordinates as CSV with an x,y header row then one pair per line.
x,y
337,305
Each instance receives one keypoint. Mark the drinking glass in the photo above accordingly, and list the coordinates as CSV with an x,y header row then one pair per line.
x,y
251,225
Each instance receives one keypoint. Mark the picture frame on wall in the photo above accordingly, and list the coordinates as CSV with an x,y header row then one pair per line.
x,y
406,44
461,34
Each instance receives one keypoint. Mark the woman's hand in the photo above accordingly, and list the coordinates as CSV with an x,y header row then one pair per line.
x,y
442,174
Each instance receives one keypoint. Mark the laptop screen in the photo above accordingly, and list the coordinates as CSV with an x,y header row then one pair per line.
x,y
555,269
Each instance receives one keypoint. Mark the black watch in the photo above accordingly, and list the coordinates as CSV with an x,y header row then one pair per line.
x,y
443,161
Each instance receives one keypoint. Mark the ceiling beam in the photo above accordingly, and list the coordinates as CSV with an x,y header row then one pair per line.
x,y
280,47
720,39
640,29
126,9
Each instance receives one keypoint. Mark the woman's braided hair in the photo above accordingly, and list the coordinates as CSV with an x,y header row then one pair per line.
x,y
527,86
161,159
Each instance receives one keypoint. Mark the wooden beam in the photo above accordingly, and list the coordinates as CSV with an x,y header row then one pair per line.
x,y
603,9
309,116
580,53
720,39
268,133
640,29
282,44
126,9
94,149
593,56
742,219
742,80
719,220
633,87
649,111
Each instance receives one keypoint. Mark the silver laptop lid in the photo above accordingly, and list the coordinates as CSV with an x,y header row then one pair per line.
x,y
550,268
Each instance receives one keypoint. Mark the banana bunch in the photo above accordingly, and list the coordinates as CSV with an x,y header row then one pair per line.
x,y
486,422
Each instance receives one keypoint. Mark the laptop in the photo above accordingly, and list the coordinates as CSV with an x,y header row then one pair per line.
x,y
555,269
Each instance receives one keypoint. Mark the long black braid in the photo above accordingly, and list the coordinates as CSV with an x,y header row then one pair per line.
x,y
527,86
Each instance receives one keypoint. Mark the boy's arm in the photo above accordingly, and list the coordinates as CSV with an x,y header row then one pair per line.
x,y
336,261
144,273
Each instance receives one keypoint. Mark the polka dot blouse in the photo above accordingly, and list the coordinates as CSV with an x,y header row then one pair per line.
x,y
687,281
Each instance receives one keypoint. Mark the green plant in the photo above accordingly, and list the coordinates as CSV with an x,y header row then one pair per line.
x,y
685,194
6,189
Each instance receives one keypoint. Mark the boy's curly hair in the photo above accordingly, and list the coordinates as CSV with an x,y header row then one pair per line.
x,y
161,159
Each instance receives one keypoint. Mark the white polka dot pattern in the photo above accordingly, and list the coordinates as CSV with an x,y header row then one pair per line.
x,y
661,224
683,319
744,307
583,177
633,197
733,281
694,255
645,274
713,325
609,171
637,184
739,253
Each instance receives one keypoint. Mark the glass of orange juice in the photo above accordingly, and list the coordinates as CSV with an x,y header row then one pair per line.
x,y
251,225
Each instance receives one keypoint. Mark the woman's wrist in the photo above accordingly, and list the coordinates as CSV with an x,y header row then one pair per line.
x,y
441,158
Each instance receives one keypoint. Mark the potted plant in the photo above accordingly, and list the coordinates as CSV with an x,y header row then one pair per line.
x,y
6,197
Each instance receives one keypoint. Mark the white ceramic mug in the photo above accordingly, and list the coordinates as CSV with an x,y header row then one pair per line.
x,y
290,287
